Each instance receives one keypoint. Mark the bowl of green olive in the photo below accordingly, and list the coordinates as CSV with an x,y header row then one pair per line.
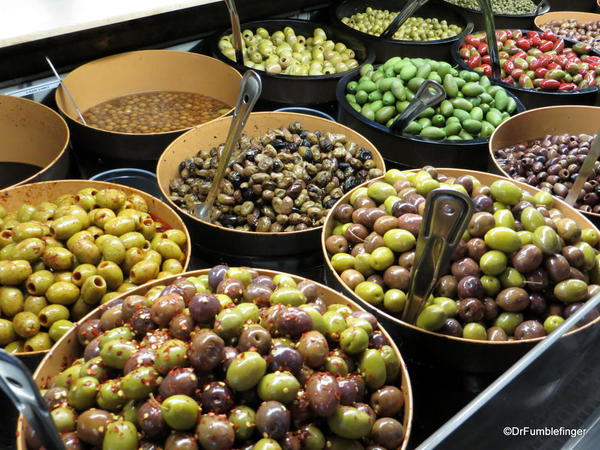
x,y
68,246
454,133
526,262
507,13
431,31
300,62
273,359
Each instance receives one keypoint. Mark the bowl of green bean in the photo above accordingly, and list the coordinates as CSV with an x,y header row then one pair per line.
x,y
431,31
299,62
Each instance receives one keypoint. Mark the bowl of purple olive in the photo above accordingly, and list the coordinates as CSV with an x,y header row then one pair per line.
x,y
546,147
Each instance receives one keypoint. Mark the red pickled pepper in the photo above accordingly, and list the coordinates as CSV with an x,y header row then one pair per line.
x,y
534,59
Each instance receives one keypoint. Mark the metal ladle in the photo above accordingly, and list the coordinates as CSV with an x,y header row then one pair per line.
x,y
18,385
586,170
445,219
64,86
250,89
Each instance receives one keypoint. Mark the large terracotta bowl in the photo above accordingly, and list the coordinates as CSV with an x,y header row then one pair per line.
x,y
35,193
248,243
581,17
134,72
32,134
438,350
68,349
540,122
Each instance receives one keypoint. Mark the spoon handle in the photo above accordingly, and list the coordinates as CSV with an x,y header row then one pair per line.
x,y
18,385
250,90
408,10
430,93
447,214
236,31
64,86
586,170
490,31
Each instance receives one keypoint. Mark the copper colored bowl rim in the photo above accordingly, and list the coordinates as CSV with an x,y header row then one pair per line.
x,y
404,377
159,172
63,125
105,184
132,53
349,293
506,122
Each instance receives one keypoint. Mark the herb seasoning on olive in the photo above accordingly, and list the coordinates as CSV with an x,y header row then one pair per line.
x,y
285,180
519,268
60,259
375,21
270,365
509,7
552,164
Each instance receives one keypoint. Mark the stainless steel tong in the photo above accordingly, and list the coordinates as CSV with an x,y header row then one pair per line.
x,y
445,219
18,385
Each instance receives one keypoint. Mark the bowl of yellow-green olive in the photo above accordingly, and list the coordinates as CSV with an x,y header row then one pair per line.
x,y
69,246
300,62
430,32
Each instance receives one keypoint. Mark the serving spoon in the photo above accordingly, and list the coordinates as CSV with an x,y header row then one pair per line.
x,y
250,89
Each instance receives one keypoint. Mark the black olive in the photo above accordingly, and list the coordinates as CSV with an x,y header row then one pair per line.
x,y
364,154
329,203
278,144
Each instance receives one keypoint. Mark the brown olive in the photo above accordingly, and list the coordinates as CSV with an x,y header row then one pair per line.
x,y
387,401
470,309
496,334
527,258
481,223
464,267
385,223
470,286
91,426
396,277
476,247
513,299
323,394
356,233
336,244
410,222
447,286
373,241
529,329
452,327
557,267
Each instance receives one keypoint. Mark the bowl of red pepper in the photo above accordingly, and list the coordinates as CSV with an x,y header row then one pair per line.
x,y
541,68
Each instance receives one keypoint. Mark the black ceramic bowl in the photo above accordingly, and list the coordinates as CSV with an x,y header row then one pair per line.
x,y
413,151
572,5
386,48
500,20
536,98
293,89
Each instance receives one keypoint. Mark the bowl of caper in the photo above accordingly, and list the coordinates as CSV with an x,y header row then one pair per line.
x,y
431,31
300,62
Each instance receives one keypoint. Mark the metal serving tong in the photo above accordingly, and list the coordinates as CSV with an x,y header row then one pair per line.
x,y
236,32
409,9
430,93
490,31
586,170
18,385
250,89
447,214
